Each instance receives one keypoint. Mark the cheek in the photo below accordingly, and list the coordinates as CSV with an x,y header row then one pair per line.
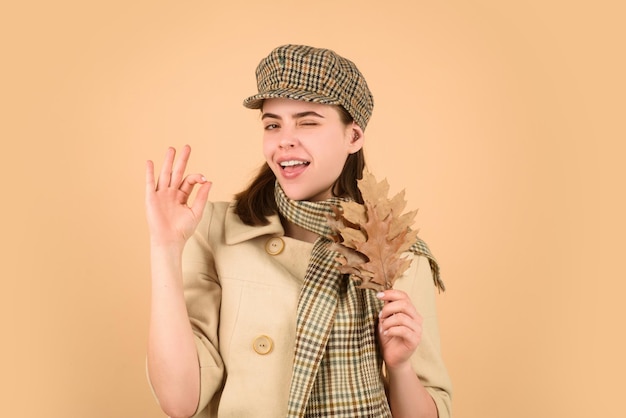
x,y
266,147
268,154
335,154
334,163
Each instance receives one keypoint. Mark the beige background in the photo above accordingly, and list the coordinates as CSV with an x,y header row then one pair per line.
x,y
504,121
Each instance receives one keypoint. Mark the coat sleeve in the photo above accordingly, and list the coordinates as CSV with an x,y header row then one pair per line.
x,y
427,360
203,296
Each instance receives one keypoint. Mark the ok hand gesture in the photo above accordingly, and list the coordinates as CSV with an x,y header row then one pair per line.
x,y
172,218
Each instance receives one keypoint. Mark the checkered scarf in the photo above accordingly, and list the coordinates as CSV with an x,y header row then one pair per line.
x,y
337,365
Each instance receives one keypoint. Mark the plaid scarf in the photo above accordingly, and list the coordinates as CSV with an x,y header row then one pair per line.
x,y
337,369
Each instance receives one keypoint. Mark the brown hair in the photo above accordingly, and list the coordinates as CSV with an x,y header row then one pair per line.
x,y
256,203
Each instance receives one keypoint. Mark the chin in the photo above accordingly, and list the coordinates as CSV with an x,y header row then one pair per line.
x,y
296,193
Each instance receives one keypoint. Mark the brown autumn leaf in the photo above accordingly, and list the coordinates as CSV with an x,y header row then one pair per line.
x,y
372,238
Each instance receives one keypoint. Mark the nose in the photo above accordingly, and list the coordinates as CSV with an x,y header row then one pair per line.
x,y
288,140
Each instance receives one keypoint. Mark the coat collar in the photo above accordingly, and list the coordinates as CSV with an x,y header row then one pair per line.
x,y
236,231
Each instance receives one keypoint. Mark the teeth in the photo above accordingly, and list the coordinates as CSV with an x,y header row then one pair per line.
x,y
292,163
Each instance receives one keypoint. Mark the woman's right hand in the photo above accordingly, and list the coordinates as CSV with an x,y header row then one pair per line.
x,y
172,218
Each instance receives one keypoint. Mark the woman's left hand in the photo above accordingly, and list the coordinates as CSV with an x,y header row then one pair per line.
x,y
399,328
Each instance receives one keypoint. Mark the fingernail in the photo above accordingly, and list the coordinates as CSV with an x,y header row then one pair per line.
x,y
380,295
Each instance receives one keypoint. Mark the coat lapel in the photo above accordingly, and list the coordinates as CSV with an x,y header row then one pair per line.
x,y
236,232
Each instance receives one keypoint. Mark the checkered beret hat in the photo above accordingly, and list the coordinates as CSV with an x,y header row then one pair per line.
x,y
317,75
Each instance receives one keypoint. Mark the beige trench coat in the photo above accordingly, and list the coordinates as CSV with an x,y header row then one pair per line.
x,y
241,287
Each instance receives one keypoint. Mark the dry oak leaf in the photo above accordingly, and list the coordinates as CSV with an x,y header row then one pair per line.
x,y
372,238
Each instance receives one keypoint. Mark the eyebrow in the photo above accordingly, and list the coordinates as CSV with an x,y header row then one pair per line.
x,y
295,115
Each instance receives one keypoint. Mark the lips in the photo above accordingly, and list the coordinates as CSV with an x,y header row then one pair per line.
x,y
293,167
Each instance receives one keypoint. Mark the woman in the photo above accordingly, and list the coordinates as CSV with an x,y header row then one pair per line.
x,y
250,317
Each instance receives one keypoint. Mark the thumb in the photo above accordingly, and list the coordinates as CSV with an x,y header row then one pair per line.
x,y
201,198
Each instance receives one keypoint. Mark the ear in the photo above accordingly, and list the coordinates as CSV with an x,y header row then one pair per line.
x,y
357,138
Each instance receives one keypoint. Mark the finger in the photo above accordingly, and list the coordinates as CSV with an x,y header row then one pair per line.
x,y
149,177
165,175
398,307
396,301
400,321
407,330
412,338
201,198
180,166
390,295
190,181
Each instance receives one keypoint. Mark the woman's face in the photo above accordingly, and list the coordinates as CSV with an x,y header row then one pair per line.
x,y
306,146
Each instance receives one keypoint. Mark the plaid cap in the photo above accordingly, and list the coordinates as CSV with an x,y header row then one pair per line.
x,y
317,75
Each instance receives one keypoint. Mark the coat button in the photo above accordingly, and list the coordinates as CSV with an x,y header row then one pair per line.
x,y
274,246
263,344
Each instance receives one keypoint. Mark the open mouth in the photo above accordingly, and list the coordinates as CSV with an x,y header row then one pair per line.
x,y
292,164
291,169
